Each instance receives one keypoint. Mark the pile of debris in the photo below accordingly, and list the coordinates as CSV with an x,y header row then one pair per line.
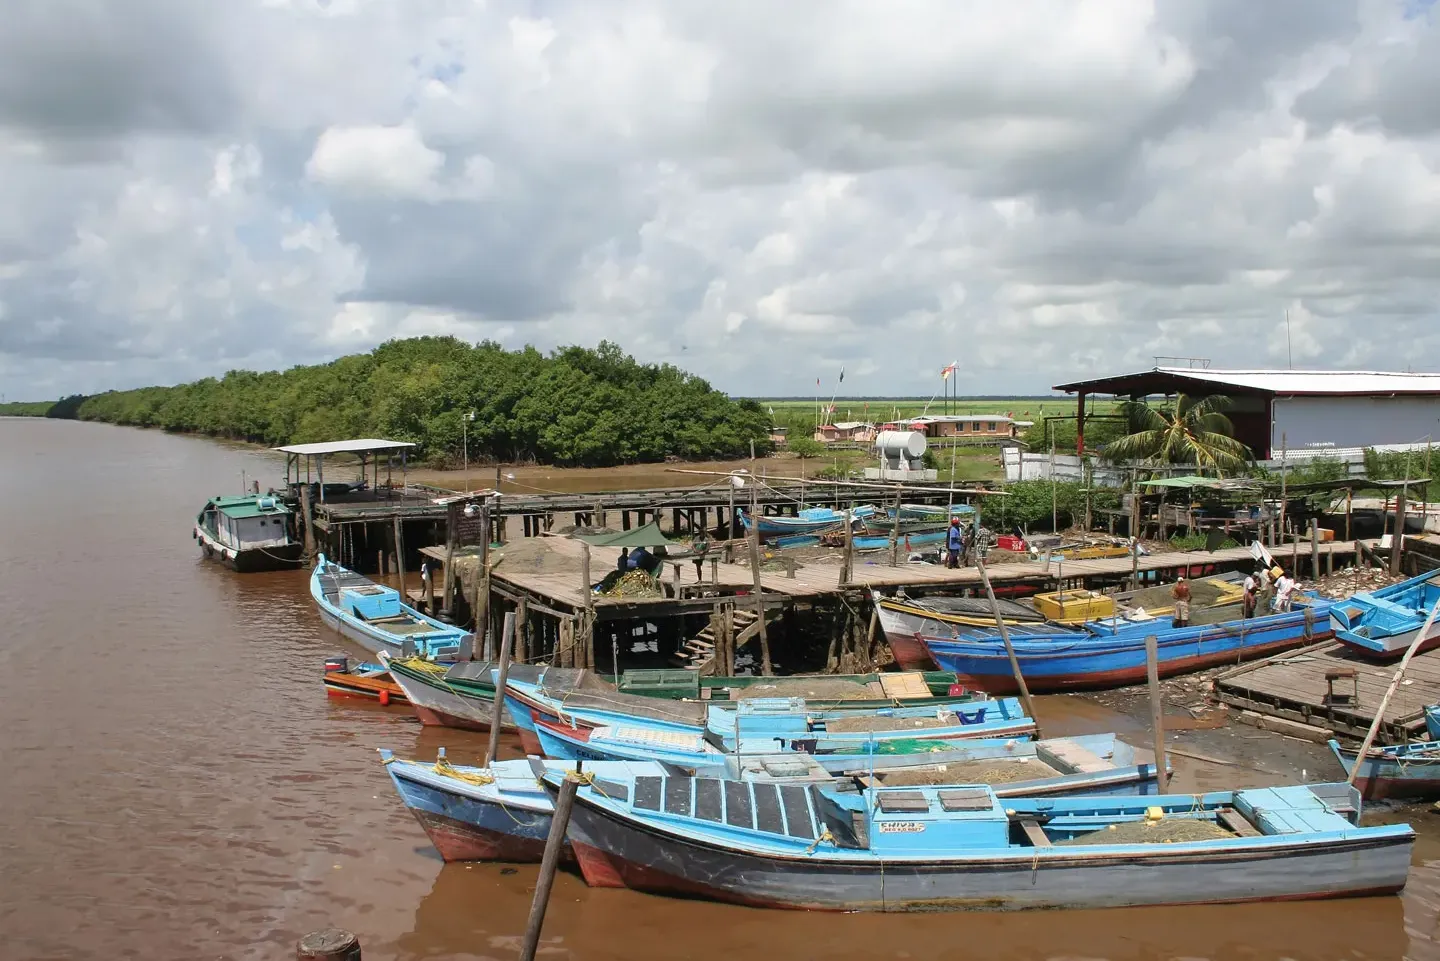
x,y
1352,580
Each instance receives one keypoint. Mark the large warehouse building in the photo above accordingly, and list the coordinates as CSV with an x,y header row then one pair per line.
x,y
1307,408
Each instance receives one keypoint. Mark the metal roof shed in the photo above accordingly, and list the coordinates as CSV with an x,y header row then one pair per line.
x,y
1294,408
362,447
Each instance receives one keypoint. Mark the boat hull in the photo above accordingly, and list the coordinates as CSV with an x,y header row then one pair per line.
x,y
1390,775
285,557
471,824
1098,662
439,705
363,687
612,848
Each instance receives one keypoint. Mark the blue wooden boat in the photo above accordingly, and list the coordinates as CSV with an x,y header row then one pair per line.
x,y
1407,771
930,512
812,520
1383,623
822,847
501,813
1093,763
766,718
1432,722
905,540
373,615
1111,653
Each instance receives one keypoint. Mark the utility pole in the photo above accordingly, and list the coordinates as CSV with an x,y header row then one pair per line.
x,y
465,444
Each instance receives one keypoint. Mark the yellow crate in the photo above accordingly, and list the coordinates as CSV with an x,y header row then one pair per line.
x,y
1074,605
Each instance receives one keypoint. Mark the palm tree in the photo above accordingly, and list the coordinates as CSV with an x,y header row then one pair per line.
x,y
1195,431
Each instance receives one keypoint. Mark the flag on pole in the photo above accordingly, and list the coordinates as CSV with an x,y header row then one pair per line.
x,y
945,372
817,381
842,374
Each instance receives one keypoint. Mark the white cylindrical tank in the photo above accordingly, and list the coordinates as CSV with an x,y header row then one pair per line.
x,y
897,444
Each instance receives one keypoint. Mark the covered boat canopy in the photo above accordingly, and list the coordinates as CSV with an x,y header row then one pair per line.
x,y
646,536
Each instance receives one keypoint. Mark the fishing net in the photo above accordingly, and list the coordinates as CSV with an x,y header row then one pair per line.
x,y
900,745
868,722
1203,593
1163,831
812,688
969,772
633,584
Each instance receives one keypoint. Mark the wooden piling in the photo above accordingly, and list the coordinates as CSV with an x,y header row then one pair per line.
x,y
1157,706
331,944
452,529
1314,550
507,641
765,666
559,821
847,564
307,513
480,607
1397,540
400,555
1020,684
586,590
895,533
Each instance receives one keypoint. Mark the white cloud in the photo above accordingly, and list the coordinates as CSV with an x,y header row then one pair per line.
x,y
1044,190
385,160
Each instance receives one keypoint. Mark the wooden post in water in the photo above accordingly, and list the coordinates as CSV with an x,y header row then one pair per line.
x,y
895,531
452,525
765,667
331,944
1390,692
1157,706
1005,637
400,558
481,605
548,863
308,515
507,641
1397,540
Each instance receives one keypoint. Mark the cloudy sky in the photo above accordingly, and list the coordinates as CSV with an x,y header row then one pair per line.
x,y
759,192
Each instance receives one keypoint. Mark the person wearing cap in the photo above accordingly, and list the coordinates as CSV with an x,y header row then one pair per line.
x,y
954,543
1284,591
1181,594
1252,590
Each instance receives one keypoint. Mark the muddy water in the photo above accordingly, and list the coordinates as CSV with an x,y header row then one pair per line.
x,y
176,784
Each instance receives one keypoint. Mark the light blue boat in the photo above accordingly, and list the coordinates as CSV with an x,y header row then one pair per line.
x,y
812,520
823,847
1111,653
373,616
1383,623
762,718
1092,763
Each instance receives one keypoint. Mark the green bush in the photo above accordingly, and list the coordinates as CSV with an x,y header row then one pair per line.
x,y
805,447
1029,504
574,406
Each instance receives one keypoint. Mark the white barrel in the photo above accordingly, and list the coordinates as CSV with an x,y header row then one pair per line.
x,y
907,444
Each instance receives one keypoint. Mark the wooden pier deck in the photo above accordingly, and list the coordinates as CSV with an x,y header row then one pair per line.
x,y
817,580
1293,686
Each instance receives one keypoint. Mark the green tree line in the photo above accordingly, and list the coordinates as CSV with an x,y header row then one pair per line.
x,y
575,406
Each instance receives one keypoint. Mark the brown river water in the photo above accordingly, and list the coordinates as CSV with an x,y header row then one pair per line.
x,y
177,785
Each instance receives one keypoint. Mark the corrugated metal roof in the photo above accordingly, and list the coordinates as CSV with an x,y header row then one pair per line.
x,y
361,446
1307,382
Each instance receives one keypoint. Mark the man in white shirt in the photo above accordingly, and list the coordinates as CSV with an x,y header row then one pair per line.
x,y
1252,589
1284,588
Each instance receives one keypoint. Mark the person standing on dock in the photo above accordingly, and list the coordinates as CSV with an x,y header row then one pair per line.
x,y
954,543
1284,592
699,547
1251,595
1181,594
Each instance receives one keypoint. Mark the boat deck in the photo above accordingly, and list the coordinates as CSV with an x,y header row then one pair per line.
x,y
1293,687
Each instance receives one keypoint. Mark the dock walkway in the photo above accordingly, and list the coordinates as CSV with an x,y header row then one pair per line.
x,y
1293,686
819,580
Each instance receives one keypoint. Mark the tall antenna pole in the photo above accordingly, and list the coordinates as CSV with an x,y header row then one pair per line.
x,y
1289,351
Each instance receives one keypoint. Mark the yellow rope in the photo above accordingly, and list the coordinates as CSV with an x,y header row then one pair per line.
x,y
825,835
479,778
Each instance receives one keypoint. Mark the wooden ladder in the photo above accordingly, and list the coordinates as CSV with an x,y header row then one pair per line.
x,y
698,652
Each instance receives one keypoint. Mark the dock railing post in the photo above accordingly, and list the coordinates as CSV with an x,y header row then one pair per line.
x,y
1009,648
548,863
481,607
1397,540
1157,706
846,571
452,523
507,642
895,531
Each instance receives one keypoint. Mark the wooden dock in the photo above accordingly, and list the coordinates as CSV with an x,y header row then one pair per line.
x,y
1293,686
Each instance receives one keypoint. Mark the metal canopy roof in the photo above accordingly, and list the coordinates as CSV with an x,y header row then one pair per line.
x,y
1161,380
363,446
